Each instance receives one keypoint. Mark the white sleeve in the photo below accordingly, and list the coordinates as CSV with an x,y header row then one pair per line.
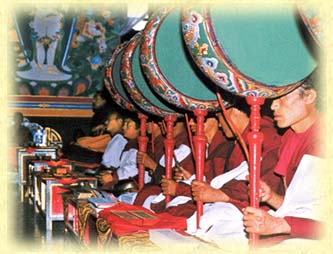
x,y
238,173
180,153
128,165
113,151
307,191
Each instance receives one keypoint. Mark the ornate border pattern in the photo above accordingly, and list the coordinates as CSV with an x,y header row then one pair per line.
x,y
208,54
110,83
129,82
156,78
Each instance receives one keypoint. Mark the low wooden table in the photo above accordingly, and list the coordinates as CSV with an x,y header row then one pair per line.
x,y
134,242
24,154
47,193
35,165
82,222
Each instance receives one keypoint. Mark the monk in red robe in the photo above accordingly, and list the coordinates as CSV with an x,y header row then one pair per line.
x,y
297,110
156,167
216,152
231,155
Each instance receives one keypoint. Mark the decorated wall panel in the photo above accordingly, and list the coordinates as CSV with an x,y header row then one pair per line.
x,y
59,55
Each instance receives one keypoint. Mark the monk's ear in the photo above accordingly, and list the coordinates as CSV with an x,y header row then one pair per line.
x,y
310,96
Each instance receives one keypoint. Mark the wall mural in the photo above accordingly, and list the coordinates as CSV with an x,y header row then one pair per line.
x,y
62,52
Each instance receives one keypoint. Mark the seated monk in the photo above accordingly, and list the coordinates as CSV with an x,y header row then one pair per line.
x,y
127,168
182,203
90,148
96,143
298,213
227,194
151,158
157,166
113,126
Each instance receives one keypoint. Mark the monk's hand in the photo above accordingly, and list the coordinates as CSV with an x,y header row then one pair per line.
x,y
265,192
106,178
98,129
202,191
181,174
258,221
168,186
144,158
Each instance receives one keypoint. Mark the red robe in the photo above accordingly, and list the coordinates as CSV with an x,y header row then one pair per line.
x,y
214,163
237,190
158,148
154,188
294,147
214,166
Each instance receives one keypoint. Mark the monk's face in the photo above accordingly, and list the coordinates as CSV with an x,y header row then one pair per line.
x,y
193,125
114,124
295,109
153,128
239,119
210,124
130,129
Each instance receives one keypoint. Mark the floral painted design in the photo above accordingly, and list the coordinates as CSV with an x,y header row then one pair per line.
x,y
152,71
208,54
81,41
191,30
130,85
110,84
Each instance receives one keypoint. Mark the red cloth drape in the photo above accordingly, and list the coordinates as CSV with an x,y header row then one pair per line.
x,y
120,226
